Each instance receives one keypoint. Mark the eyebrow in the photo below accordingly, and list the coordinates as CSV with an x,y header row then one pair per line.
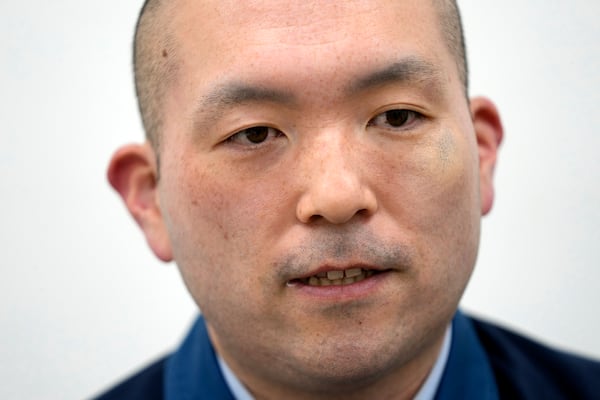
x,y
235,93
230,94
406,71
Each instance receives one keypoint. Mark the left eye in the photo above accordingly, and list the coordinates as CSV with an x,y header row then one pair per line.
x,y
254,135
394,118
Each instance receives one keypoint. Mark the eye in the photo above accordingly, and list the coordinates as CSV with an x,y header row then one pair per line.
x,y
254,135
398,118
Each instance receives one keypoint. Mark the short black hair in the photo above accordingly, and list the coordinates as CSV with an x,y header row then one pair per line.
x,y
153,64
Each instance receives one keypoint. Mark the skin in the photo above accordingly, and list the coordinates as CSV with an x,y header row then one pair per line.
x,y
334,185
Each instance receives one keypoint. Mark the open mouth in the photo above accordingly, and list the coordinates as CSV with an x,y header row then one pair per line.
x,y
336,278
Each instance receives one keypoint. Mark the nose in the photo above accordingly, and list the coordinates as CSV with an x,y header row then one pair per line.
x,y
336,188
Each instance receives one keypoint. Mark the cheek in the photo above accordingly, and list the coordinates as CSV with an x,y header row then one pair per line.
x,y
433,196
432,180
217,222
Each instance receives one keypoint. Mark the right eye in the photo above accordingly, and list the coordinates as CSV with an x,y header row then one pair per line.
x,y
254,135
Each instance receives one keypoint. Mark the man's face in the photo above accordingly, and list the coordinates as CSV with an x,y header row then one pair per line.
x,y
312,139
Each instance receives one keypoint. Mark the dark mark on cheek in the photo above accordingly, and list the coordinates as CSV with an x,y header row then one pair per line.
x,y
165,53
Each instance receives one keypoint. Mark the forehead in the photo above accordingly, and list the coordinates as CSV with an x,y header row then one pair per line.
x,y
309,22
226,28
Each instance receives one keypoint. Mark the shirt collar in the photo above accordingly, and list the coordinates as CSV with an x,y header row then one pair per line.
x,y
239,391
429,388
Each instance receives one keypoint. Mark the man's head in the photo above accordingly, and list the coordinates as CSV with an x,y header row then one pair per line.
x,y
322,182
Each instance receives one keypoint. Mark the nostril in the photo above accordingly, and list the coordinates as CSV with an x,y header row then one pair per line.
x,y
364,212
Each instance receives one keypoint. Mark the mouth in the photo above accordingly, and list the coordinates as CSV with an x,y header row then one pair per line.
x,y
336,277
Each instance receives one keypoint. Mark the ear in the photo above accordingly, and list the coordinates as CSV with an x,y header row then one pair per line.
x,y
133,173
489,133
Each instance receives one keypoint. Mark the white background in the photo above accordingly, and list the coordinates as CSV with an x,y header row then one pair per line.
x,y
83,301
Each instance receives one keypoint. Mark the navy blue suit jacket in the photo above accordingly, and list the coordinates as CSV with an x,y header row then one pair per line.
x,y
485,362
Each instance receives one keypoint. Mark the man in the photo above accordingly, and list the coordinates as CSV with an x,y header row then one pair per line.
x,y
318,174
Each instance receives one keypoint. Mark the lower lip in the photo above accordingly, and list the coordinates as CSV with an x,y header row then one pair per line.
x,y
352,291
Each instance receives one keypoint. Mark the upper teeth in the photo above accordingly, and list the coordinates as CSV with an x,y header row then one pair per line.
x,y
345,277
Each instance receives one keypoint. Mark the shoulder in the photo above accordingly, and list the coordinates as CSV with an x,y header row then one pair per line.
x,y
526,369
146,384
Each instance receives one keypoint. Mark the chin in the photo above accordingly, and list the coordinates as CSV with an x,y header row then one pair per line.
x,y
351,362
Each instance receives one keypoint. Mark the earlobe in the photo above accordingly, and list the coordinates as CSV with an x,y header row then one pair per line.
x,y
489,133
132,172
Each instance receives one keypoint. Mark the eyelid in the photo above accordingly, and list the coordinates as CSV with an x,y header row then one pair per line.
x,y
272,133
